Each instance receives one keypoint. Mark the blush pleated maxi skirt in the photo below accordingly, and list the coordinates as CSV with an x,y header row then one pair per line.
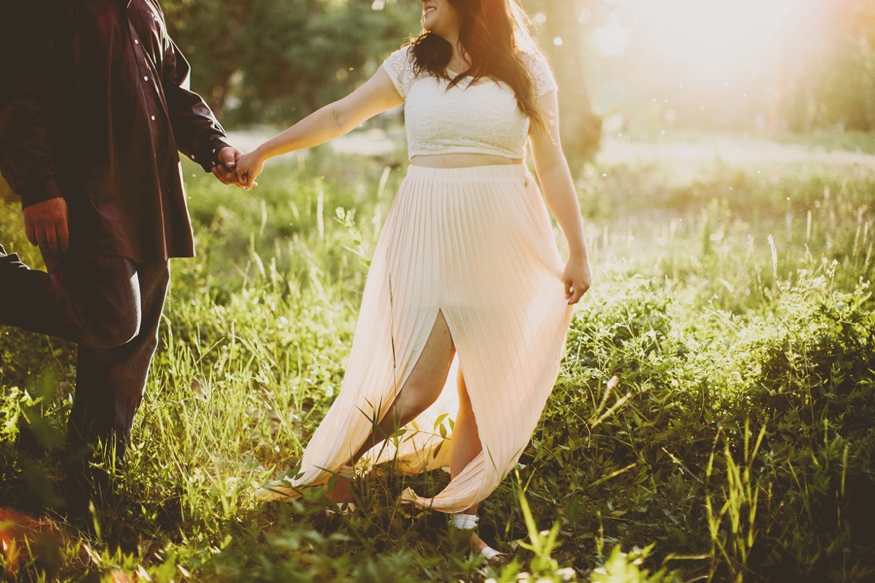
x,y
476,245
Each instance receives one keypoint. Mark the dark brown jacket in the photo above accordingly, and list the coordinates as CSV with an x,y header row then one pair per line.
x,y
94,105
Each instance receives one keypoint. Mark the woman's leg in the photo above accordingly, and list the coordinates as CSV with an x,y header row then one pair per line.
x,y
466,440
420,390
466,445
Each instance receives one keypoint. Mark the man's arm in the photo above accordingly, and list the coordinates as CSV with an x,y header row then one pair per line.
x,y
198,133
25,149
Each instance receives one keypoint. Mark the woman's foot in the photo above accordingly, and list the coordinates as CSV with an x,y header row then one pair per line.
x,y
341,491
492,556
338,489
465,521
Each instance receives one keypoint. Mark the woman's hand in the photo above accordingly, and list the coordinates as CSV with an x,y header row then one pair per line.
x,y
576,278
249,166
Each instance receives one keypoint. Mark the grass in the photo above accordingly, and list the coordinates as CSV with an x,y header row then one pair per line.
x,y
711,422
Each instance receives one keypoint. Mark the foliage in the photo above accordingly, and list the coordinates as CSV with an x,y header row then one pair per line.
x,y
712,416
273,61
836,87
277,60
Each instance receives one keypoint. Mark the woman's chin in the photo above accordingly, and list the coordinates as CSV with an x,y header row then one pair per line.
x,y
428,23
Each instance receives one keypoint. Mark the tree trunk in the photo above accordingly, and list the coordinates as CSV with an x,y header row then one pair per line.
x,y
580,126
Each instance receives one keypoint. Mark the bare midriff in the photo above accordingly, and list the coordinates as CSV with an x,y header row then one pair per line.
x,y
462,160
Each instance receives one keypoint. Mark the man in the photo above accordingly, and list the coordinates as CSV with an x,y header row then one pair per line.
x,y
94,104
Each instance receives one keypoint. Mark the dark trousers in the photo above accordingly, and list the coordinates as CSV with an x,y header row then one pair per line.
x,y
111,307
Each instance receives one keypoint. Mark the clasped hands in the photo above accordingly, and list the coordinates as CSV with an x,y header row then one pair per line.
x,y
238,168
45,223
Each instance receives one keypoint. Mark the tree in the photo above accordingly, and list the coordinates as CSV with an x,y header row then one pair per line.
x,y
565,39
277,60
840,78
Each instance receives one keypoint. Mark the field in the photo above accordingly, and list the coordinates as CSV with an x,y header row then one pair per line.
x,y
712,420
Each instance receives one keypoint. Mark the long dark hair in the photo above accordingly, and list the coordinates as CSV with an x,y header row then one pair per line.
x,y
491,35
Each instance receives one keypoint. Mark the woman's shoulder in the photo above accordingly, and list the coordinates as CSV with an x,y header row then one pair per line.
x,y
533,59
539,70
399,66
400,59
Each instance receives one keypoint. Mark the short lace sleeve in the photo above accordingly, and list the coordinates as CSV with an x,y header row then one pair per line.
x,y
542,76
399,66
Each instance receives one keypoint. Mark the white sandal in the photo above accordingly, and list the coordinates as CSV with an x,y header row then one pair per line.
x,y
469,522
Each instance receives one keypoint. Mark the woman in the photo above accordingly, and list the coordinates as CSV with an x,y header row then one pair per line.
x,y
466,262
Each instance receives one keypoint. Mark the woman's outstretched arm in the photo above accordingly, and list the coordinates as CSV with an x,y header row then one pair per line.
x,y
377,95
555,177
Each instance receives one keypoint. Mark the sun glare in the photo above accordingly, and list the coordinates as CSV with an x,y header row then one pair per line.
x,y
708,37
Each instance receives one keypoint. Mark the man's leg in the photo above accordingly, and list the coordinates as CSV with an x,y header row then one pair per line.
x,y
109,389
89,299
96,301
110,381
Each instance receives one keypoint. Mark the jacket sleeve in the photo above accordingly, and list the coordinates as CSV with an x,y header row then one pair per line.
x,y
25,148
198,133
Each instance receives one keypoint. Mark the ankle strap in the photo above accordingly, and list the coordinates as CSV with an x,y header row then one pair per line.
x,y
464,521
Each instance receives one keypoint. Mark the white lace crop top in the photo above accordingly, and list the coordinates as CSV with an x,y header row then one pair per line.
x,y
479,118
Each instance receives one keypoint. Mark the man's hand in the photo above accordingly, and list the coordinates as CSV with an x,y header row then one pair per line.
x,y
226,169
46,225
